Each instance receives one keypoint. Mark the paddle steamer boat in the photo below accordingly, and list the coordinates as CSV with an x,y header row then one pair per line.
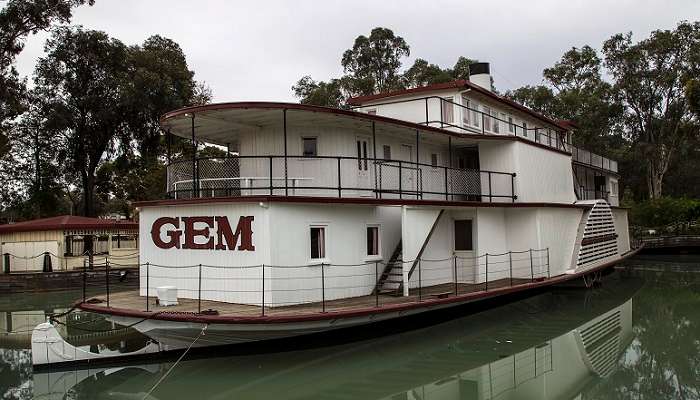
x,y
317,219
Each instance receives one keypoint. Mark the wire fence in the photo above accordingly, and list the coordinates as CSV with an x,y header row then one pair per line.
x,y
270,289
50,262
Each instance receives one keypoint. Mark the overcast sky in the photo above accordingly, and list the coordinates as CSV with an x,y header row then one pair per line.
x,y
256,50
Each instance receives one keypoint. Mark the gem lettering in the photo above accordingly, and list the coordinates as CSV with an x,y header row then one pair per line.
x,y
203,233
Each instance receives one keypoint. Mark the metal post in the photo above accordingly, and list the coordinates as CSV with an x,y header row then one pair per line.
x,y
323,288
84,279
262,308
194,162
512,187
376,284
400,180
487,272
483,128
420,283
199,291
107,278
548,275
147,284
374,152
271,184
447,197
340,189
284,128
168,143
442,123
537,135
454,261
532,271
490,189
426,112
510,262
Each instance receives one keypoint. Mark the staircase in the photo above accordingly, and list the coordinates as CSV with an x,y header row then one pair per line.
x,y
392,277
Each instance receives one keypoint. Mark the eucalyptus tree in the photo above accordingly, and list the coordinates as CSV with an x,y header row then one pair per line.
x,y
18,20
650,79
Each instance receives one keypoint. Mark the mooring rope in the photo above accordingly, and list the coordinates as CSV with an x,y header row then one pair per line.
x,y
165,375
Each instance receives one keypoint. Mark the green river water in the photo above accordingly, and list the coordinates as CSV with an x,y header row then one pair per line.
x,y
637,336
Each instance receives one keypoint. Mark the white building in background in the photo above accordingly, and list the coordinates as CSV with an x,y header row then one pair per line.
x,y
475,186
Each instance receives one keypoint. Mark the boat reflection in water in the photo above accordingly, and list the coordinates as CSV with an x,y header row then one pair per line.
x,y
545,347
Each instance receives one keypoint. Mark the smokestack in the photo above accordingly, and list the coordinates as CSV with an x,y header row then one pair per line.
x,y
480,74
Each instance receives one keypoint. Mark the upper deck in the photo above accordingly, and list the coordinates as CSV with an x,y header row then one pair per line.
x,y
284,149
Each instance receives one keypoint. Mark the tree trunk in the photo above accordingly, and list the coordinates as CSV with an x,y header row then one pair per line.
x,y
655,177
88,194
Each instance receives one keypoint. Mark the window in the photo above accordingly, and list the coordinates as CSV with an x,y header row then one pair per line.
x,y
463,235
465,111
310,146
511,128
362,154
318,242
487,120
372,111
387,152
372,240
434,160
476,117
448,110
524,129
496,123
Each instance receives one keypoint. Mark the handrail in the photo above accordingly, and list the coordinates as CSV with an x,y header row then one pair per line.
x,y
315,280
559,142
212,175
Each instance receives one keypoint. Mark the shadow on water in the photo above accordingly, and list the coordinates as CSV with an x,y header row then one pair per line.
x,y
608,342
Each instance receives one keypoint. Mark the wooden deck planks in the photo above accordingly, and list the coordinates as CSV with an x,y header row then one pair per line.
x,y
130,300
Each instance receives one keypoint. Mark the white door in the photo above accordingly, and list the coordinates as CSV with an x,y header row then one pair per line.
x,y
363,167
463,247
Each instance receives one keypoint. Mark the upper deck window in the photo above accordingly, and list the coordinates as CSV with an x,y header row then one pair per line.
x,y
372,111
387,152
511,128
487,120
448,110
309,145
465,111
434,160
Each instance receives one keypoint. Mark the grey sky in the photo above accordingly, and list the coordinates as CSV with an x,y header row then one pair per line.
x,y
256,50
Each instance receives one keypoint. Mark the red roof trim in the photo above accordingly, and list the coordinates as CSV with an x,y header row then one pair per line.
x,y
67,222
350,201
458,84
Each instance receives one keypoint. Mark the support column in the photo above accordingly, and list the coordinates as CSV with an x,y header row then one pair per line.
x,y
284,129
195,183
374,162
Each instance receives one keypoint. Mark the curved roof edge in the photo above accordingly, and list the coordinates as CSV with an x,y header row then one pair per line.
x,y
185,111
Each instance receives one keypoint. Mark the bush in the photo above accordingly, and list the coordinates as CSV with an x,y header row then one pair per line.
x,y
664,213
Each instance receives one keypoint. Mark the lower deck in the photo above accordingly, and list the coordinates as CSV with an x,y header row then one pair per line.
x,y
131,300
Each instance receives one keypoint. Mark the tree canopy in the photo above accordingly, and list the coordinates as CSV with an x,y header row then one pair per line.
x,y
373,65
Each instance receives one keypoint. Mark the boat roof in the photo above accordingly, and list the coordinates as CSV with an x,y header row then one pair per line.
x,y
459,84
67,222
221,123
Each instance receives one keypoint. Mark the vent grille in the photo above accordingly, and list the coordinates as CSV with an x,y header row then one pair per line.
x,y
601,343
599,241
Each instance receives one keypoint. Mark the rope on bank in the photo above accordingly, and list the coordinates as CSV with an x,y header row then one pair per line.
x,y
165,375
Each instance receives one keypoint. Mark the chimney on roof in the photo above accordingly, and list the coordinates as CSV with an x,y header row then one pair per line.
x,y
480,74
